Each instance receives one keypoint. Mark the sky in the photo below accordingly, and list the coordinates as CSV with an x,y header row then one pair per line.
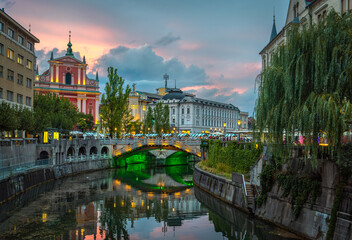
x,y
209,48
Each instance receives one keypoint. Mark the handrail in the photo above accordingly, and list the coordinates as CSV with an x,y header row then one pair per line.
x,y
244,190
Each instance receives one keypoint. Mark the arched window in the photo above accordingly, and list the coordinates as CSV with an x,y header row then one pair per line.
x,y
68,78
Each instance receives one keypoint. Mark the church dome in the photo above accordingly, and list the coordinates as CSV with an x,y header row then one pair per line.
x,y
174,94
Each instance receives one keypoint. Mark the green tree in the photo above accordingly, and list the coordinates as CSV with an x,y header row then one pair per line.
x,y
8,117
86,122
26,120
158,116
308,85
148,121
51,111
114,103
166,119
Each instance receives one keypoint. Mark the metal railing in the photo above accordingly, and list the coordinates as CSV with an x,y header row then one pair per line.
x,y
9,167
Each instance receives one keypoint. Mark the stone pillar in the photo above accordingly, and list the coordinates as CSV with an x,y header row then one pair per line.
x,y
79,104
79,76
51,73
96,110
84,77
57,73
84,105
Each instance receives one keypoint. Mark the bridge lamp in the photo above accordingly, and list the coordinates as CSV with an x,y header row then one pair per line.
x,y
239,127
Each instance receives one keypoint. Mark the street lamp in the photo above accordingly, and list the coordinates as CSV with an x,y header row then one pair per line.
x,y
224,127
239,127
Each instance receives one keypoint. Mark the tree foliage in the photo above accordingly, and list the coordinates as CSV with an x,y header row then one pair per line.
x,y
158,116
308,86
166,119
114,103
51,111
148,121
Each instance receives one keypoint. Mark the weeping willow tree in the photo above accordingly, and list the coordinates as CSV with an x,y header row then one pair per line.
x,y
308,86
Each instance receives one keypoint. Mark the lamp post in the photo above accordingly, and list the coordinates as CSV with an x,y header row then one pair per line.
x,y
239,127
224,127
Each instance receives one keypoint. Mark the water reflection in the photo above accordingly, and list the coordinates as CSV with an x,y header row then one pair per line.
x,y
137,202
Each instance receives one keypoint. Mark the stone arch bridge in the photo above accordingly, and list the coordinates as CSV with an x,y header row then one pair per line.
x,y
63,151
189,146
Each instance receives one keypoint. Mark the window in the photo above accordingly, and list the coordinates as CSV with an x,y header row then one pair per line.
x,y
20,59
1,93
29,83
173,111
90,111
28,101
68,78
9,96
144,108
10,53
19,98
2,26
30,46
173,120
183,121
1,49
188,111
183,111
29,64
295,10
20,79
1,71
11,33
133,106
10,74
20,40
343,6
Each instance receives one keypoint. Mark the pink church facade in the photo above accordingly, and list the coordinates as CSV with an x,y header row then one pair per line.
x,y
67,78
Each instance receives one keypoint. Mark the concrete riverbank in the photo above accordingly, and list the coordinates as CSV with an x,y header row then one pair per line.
x,y
21,182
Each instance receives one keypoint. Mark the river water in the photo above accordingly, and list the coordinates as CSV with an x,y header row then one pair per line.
x,y
137,202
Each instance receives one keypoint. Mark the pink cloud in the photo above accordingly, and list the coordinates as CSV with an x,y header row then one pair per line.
x,y
189,46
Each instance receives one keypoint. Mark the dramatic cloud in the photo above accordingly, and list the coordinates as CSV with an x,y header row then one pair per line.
x,y
143,66
167,40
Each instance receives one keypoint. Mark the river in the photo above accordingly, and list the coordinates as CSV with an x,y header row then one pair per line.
x,y
137,202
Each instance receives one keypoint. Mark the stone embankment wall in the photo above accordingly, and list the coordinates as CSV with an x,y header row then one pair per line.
x,y
227,190
19,183
313,221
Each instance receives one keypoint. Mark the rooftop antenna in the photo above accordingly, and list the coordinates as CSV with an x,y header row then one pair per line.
x,y
29,27
69,36
166,77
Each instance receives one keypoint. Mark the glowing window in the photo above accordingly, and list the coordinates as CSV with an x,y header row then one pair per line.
x,y
133,106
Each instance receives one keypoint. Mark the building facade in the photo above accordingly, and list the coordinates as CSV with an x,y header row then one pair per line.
x,y
302,13
67,78
138,102
17,61
189,114
243,121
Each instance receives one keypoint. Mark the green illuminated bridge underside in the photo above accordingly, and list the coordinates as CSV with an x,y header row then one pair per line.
x,y
144,144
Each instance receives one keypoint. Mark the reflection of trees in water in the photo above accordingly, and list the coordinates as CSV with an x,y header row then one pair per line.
x,y
113,217
43,230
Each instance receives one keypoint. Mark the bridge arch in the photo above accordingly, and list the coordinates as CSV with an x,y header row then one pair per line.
x,y
43,155
104,150
70,152
158,144
93,150
82,151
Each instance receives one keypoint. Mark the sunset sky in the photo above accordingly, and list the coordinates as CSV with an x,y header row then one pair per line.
x,y
211,48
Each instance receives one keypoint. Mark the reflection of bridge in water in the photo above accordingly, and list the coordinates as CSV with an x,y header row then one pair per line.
x,y
188,146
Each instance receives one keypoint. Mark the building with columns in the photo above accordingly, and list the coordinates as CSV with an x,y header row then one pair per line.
x,y
67,78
